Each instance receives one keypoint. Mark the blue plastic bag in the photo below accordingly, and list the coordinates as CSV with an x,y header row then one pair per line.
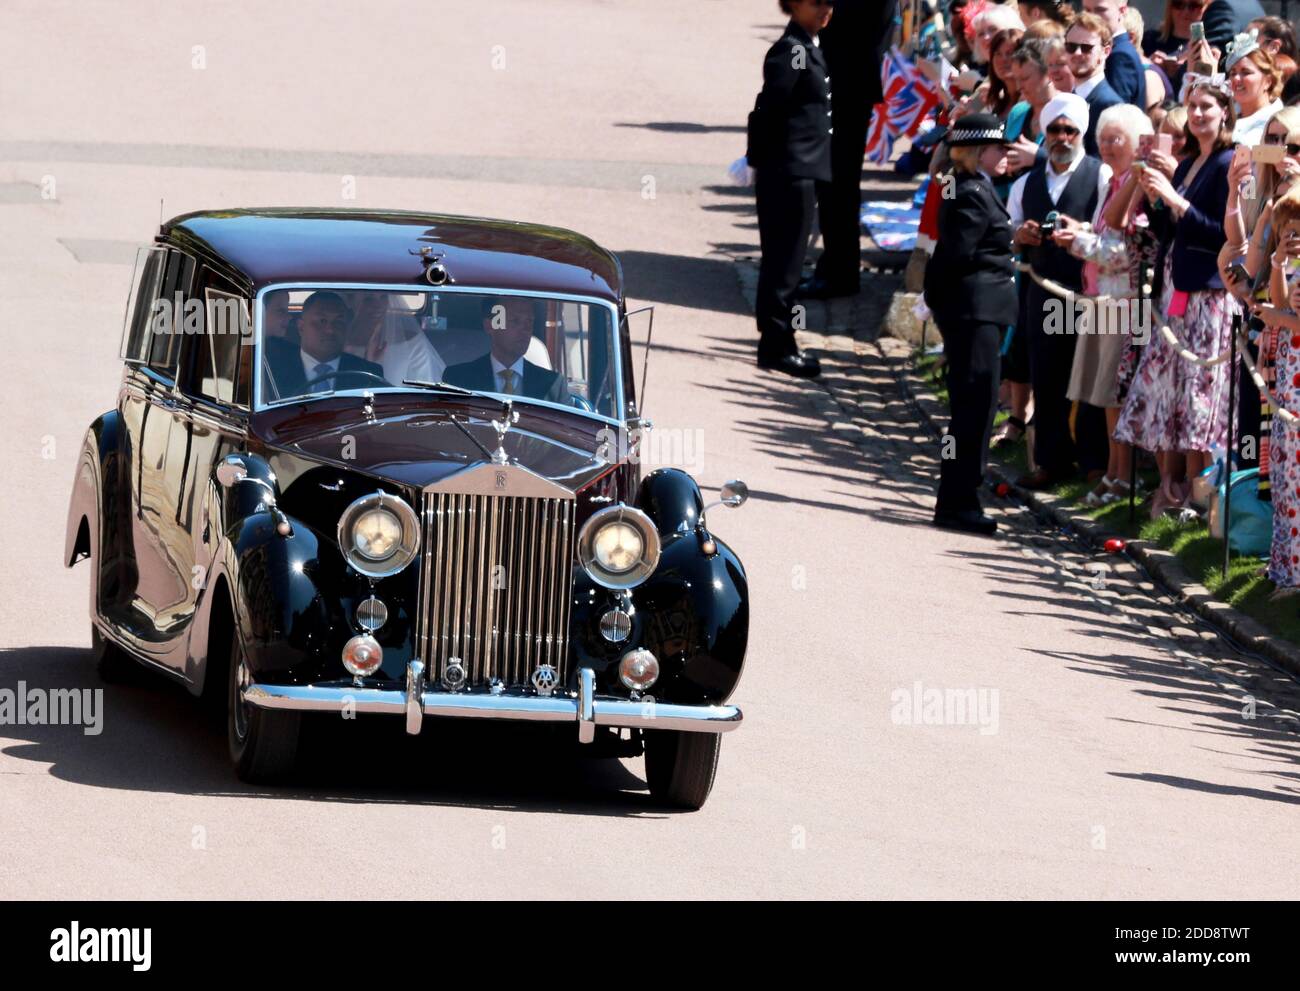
x,y
1250,530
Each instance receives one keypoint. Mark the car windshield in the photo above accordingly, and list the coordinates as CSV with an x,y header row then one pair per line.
x,y
323,341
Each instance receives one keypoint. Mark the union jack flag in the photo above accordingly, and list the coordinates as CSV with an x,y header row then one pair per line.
x,y
908,99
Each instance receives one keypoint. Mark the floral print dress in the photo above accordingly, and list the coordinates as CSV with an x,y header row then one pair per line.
x,y
1174,404
1284,466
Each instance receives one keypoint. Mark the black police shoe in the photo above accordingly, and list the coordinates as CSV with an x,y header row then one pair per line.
x,y
968,521
814,288
800,364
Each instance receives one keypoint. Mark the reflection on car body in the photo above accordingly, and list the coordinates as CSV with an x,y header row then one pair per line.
x,y
394,495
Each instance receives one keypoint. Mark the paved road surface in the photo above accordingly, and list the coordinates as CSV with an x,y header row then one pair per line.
x,y
1117,765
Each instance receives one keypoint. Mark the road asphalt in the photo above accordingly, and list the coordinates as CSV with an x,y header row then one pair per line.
x,y
1104,756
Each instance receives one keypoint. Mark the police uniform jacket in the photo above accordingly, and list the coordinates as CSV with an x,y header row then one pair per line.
x,y
970,277
790,128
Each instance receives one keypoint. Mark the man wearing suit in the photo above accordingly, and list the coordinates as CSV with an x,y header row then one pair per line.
x,y
853,44
317,363
1088,45
1124,69
510,322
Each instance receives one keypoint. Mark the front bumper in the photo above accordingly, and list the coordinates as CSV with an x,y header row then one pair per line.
x,y
417,701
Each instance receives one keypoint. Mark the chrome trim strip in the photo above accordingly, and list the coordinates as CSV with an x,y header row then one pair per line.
x,y
414,697
603,711
586,705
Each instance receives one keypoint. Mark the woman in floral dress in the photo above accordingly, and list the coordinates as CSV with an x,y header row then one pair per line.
x,y
1176,407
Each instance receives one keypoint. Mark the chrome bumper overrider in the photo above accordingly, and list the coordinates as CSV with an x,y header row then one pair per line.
x,y
586,709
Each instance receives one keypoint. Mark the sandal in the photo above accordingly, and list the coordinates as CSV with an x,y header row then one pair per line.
x,y
1009,432
1096,496
1118,491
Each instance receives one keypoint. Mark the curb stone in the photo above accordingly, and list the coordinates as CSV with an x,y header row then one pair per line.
x,y
1163,565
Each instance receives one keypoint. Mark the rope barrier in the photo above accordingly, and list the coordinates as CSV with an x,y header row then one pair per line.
x,y
1167,332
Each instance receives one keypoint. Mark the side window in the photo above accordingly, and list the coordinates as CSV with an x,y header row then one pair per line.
x,y
164,344
145,285
222,364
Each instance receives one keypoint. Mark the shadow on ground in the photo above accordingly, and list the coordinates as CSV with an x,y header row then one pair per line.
x,y
157,738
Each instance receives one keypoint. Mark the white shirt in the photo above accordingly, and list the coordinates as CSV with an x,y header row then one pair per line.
x,y
1249,130
1084,88
517,368
310,366
1056,183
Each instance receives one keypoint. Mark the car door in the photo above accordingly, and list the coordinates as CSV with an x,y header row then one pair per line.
x,y
149,407
209,422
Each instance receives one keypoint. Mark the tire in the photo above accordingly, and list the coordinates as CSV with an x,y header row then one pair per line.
x,y
263,743
680,767
111,661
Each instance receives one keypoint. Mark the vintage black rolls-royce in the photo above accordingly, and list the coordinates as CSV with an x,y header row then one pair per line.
x,y
386,463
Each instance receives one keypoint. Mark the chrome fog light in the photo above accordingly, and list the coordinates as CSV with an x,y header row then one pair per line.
x,y
362,656
639,669
616,626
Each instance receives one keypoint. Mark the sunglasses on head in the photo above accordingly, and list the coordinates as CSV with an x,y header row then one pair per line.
x,y
1187,4
1065,129
1078,46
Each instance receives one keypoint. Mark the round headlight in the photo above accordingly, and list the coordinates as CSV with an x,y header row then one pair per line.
x,y
375,534
619,547
379,534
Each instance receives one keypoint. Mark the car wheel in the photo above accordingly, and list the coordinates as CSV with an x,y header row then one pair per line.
x,y
680,767
263,744
111,661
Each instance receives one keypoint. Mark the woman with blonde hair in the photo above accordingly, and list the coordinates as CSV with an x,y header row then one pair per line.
x,y
969,290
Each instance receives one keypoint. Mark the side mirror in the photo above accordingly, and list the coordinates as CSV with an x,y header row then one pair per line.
x,y
732,494
231,471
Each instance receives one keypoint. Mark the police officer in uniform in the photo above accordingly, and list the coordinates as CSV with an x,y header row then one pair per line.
x,y
790,152
970,290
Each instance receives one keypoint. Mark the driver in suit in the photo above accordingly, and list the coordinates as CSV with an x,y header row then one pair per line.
x,y
510,322
317,363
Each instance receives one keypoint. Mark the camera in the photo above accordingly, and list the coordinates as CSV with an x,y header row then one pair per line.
x,y
1048,226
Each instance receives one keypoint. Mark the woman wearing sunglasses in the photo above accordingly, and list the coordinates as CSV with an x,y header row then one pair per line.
x,y
1166,45
1253,193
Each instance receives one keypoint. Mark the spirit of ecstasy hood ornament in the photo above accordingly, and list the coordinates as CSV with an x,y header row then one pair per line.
x,y
502,427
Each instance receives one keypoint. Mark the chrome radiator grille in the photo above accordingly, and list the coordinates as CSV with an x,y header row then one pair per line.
x,y
495,585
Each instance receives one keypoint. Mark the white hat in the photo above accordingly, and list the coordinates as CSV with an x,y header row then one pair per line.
x,y
1069,105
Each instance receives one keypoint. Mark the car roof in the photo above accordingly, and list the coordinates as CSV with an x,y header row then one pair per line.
x,y
267,246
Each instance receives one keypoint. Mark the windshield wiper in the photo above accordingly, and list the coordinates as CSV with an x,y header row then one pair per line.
x,y
442,386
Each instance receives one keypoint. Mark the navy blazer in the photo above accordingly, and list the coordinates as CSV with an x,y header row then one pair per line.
x,y
1198,235
1125,74
1103,95
538,383
971,276
283,359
